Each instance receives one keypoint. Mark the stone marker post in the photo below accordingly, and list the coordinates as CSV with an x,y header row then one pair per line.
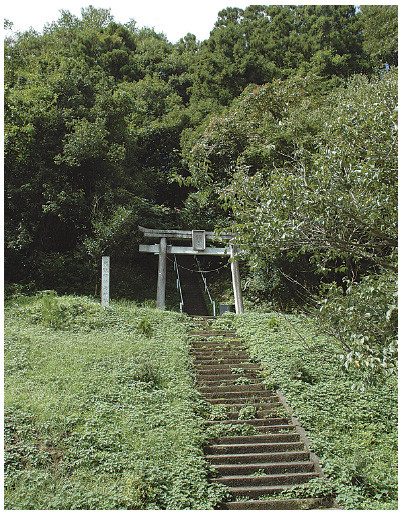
x,y
105,281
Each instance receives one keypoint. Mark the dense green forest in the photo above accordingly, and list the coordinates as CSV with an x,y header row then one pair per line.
x,y
281,127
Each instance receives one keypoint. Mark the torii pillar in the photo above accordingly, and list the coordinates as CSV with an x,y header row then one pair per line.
x,y
161,288
234,265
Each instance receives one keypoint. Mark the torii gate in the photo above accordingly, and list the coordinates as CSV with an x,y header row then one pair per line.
x,y
198,238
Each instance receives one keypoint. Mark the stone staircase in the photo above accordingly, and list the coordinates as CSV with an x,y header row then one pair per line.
x,y
194,303
273,453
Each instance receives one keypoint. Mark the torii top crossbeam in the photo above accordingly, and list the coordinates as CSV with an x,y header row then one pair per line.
x,y
199,238
184,234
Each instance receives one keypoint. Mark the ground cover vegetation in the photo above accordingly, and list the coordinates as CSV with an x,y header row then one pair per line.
x,y
100,408
353,432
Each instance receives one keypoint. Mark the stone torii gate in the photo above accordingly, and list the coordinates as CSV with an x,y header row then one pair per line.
x,y
198,238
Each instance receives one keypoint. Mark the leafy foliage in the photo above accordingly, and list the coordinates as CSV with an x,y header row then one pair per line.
x,y
380,37
312,187
91,128
365,321
99,115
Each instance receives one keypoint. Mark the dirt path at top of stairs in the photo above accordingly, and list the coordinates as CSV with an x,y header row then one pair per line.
x,y
265,450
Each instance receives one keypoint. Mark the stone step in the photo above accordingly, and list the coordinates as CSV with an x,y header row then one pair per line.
x,y
259,414
256,422
213,333
271,429
223,449
224,343
269,468
253,492
243,392
223,358
258,406
254,458
259,403
198,359
251,399
227,345
229,374
224,367
265,480
216,375
229,380
238,361
211,354
264,438
235,388
280,504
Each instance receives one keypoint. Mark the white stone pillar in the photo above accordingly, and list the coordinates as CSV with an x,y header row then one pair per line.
x,y
161,288
236,281
105,281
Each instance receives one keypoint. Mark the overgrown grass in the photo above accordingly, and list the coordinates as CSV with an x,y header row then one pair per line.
x,y
353,432
100,408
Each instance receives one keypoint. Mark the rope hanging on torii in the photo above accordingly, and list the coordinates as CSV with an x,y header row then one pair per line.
x,y
199,246
202,270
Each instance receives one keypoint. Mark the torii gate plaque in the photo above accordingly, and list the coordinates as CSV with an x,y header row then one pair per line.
x,y
199,238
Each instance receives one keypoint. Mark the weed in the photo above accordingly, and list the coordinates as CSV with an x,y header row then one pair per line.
x,y
230,429
273,324
298,371
219,411
237,371
145,327
52,312
243,381
259,473
247,412
271,383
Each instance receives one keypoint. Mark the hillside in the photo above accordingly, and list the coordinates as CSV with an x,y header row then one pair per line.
x,y
101,410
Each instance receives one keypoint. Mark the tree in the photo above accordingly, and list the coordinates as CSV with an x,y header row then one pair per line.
x,y
380,33
93,115
261,43
334,201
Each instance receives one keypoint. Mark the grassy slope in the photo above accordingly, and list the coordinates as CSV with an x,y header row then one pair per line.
x,y
353,432
99,409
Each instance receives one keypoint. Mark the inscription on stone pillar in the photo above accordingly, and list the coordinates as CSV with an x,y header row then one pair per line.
x,y
105,281
198,237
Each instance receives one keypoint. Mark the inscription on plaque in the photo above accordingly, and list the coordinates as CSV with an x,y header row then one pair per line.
x,y
198,239
105,281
